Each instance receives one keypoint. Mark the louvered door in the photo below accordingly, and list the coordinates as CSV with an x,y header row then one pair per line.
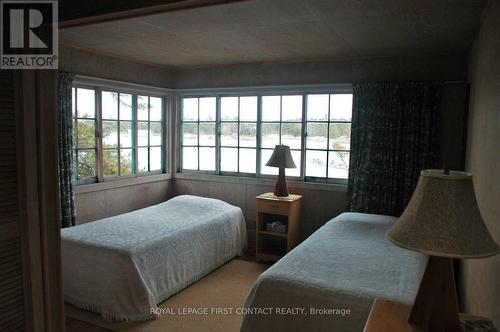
x,y
30,271
12,304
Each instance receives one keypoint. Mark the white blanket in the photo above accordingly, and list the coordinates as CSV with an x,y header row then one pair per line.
x,y
346,264
123,266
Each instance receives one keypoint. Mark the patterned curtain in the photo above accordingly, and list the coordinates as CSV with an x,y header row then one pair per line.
x,y
394,136
65,140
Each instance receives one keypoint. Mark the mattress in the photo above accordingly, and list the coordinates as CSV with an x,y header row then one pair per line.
x,y
329,282
122,267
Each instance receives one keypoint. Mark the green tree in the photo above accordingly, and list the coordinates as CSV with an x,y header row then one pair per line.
x,y
86,140
85,144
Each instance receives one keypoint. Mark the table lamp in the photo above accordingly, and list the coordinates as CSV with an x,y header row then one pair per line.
x,y
443,221
281,158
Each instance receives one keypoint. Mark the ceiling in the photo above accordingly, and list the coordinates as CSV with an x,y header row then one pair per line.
x,y
285,31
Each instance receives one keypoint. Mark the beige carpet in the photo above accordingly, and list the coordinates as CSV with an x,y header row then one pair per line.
x,y
226,287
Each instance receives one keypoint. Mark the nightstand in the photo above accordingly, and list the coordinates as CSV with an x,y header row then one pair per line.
x,y
393,316
272,245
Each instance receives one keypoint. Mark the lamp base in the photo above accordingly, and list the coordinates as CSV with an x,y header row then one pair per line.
x,y
435,308
281,188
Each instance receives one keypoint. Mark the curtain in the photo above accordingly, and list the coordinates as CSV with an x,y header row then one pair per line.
x,y
65,141
394,136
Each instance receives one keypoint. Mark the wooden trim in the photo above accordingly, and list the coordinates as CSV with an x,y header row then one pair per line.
x,y
166,134
99,153
90,82
36,144
47,119
135,132
27,179
138,12
133,181
267,90
262,181
112,55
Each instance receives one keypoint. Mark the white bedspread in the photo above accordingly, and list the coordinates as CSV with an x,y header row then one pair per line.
x,y
346,264
123,266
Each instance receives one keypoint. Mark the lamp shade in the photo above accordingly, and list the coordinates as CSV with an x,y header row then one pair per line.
x,y
281,157
443,218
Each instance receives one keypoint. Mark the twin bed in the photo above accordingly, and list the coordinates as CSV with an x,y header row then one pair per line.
x,y
335,275
122,267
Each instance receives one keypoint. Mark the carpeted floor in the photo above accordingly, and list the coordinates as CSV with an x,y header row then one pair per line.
x,y
226,287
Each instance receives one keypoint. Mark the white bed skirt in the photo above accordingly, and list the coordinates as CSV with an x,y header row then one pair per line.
x,y
123,266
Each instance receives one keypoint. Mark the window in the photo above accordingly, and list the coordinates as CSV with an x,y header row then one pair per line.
x,y
84,133
238,139
116,134
149,134
328,135
236,133
281,124
198,133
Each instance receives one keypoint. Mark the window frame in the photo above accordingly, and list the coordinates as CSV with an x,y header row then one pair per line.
x,y
281,122
118,121
328,123
75,147
238,147
259,92
198,146
100,85
164,128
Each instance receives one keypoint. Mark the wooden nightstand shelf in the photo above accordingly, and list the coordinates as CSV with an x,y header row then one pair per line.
x,y
393,316
270,245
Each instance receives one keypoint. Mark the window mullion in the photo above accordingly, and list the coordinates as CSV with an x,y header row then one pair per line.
x,y
165,133
100,153
179,110
135,133
259,138
118,131
198,134
303,138
281,119
218,132
328,134
149,134
75,137
238,138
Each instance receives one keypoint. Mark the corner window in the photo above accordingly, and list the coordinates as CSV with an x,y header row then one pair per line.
x,y
117,134
235,134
